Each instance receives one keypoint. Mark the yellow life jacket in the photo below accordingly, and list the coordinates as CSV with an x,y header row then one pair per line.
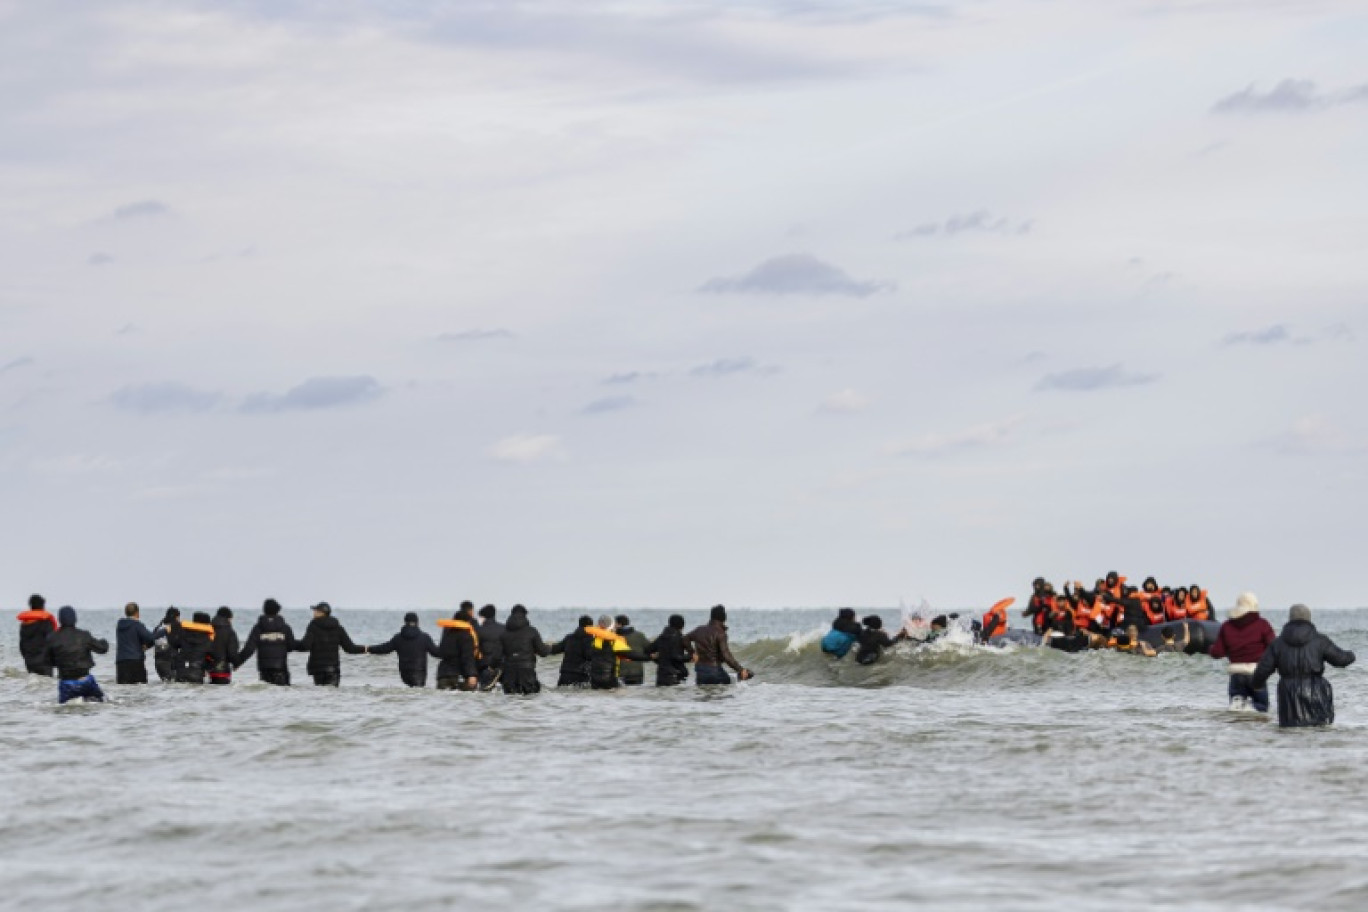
x,y
201,628
452,623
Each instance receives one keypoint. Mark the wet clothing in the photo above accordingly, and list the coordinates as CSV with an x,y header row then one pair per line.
x,y
83,687
325,639
709,645
271,641
190,654
521,645
711,676
491,645
1241,690
34,631
223,652
1243,640
164,655
458,653
69,651
606,653
633,671
1299,656
844,633
574,670
413,647
872,644
130,672
132,638
671,658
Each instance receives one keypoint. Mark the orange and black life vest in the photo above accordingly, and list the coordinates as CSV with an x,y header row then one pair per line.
x,y
468,627
37,617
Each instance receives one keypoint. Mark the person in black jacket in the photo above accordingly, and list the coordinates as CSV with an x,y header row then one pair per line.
x,y
413,646
271,641
873,640
669,653
164,654
575,648
35,626
325,639
1299,656
633,671
69,651
191,643
223,651
131,640
491,647
522,645
460,649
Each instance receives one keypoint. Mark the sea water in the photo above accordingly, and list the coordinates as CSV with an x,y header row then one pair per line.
x,y
954,777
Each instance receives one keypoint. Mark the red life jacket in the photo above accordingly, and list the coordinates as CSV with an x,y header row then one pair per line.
x,y
1199,610
1153,603
37,617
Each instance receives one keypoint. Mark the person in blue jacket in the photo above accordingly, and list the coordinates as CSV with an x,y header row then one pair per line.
x,y
132,638
844,633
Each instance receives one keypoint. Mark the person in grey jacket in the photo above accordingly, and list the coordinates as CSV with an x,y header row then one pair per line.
x,y
69,651
132,639
1299,656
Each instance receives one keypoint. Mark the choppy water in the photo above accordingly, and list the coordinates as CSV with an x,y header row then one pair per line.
x,y
953,777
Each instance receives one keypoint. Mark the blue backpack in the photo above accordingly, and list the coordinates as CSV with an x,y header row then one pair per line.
x,y
837,644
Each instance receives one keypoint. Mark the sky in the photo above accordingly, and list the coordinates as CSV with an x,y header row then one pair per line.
x,y
760,302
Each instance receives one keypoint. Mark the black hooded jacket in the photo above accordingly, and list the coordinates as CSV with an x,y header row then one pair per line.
x,y
671,657
521,644
457,651
69,651
576,649
1299,656
491,644
325,639
190,653
873,641
131,638
413,646
33,639
223,651
272,641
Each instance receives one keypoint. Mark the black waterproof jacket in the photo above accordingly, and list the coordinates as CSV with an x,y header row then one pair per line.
x,y
190,651
491,644
33,639
457,651
521,644
272,641
671,658
325,639
69,651
575,650
413,646
1299,656
605,661
633,671
872,644
223,651
131,639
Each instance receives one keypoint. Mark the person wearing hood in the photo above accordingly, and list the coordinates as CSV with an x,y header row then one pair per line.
x,y
521,645
223,652
131,639
873,640
844,633
35,626
164,654
325,639
606,652
460,651
1299,656
709,644
633,670
413,647
271,641
1243,639
192,642
670,655
491,647
574,650
69,651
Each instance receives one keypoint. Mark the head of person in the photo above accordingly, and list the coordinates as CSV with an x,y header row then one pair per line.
x,y
1169,634
605,622
517,609
66,616
1038,584
1180,596
939,622
1124,639
466,612
224,614
718,614
201,617
37,603
1132,632
846,614
131,610
585,621
1194,593
489,612
1151,584
622,621
1113,578
1087,598
677,621
411,619
1297,612
1245,603
322,609
874,622
1100,584
270,608
172,615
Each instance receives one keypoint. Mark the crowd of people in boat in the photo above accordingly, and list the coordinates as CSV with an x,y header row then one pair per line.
x,y
473,652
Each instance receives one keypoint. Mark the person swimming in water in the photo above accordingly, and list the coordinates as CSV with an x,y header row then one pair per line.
x,y
844,633
873,640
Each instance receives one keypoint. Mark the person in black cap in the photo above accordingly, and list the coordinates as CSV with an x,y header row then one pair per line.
x,y
632,672
223,652
164,654
192,641
669,653
324,640
131,639
491,647
69,651
522,645
413,646
271,641
709,644
1299,656
575,651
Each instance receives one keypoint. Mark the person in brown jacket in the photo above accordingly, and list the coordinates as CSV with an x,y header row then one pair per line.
x,y
709,644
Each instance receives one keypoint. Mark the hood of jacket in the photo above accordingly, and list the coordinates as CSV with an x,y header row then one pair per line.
x,y
1245,620
1298,633
326,622
409,631
517,621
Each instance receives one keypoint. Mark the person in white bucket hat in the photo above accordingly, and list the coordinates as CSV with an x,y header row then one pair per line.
x,y
1243,640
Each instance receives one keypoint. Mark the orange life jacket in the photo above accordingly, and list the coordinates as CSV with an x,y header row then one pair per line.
x,y
37,617
1083,615
202,628
1153,603
1199,610
467,627
998,611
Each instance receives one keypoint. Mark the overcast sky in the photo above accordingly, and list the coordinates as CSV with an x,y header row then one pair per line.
x,y
771,302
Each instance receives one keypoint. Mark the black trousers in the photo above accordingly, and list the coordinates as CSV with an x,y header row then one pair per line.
x,y
455,684
130,671
277,676
327,677
413,678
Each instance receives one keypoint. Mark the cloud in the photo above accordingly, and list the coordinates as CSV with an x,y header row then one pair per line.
x,y
1272,335
475,335
975,438
317,393
99,259
980,221
1092,379
164,396
1339,332
846,402
794,274
1291,96
141,209
17,363
728,367
524,449
628,377
609,404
